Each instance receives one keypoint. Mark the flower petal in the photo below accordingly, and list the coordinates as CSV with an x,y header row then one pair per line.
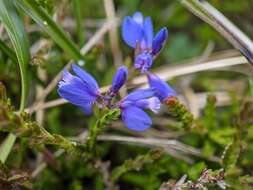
x,y
119,79
74,90
136,119
75,94
138,18
131,32
153,104
140,94
86,78
148,32
163,90
87,108
159,40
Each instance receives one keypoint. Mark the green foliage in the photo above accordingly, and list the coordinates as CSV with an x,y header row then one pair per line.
x,y
137,163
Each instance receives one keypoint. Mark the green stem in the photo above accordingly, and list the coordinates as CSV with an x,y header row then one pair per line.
x,y
95,130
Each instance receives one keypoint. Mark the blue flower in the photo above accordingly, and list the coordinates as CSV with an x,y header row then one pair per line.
x,y
159,41
81,90
132,107
162,89
137,32
119,79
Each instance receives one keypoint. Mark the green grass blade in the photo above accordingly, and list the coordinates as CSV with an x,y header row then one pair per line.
x,y
6,147
15,29
78,18
41,17
8,51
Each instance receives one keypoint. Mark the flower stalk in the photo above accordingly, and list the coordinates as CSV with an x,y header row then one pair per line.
x,y
100,124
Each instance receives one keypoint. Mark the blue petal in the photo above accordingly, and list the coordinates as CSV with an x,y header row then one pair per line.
x,y
153,104
119,79
136,119
138,18
75,90
131,32
76,94
140,94
148,32
163,90
159,40
86,78
143,62
87,108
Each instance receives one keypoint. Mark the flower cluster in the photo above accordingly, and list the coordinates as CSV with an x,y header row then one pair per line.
x,y
138,33
82,90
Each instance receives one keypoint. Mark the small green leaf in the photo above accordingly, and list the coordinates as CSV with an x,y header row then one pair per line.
x,y
41,17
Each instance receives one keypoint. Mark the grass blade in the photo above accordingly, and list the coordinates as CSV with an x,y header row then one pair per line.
x,y
78,18
41,17
16,31
6,147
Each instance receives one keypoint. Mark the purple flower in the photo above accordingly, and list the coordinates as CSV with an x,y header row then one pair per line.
x,y
132,107
81,90
119,79
137,32
162,89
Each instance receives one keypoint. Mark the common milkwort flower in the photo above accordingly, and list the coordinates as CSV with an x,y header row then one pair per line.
x,y
82,90
137,32
162,90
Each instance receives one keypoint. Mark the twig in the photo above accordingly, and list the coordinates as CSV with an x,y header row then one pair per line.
x,y
113,34
206,178
103,167
167,73
170,146
223,100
